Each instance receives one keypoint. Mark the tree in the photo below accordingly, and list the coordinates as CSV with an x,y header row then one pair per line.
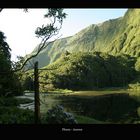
x,y
28,84
137,64
88,70
9,83
4,47
46,32
56,16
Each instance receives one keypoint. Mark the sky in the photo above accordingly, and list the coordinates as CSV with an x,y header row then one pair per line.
x,y
19,27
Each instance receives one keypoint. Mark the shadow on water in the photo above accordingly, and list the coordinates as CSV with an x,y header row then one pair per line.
x,y
115,108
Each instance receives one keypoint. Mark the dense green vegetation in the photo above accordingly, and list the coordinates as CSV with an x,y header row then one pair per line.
x,y
81,71
10,86
14,115
9,82
11,114
79,65
135,85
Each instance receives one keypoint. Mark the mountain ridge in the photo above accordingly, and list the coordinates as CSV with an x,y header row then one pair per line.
x,y
114,36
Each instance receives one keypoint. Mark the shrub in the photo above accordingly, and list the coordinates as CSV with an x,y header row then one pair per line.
x,y
57,115
8,101
14,115
134,86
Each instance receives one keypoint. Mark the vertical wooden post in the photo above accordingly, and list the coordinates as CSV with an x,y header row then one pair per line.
x,y
36,89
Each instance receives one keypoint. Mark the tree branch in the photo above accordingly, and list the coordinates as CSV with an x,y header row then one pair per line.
x,y
43,46
46,32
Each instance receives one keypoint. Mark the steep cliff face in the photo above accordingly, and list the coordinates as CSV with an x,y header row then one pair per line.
x,y
115,36
127,40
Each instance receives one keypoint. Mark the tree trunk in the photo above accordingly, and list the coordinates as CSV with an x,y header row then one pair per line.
x,y
36,89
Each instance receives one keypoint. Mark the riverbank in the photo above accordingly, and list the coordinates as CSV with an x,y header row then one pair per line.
x,y
118,103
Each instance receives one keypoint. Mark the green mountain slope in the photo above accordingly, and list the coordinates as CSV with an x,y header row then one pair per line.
x,y
115,36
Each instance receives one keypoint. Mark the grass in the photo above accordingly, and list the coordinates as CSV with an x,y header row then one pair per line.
x,y
87,120
11,114
98,92
61,91
14,115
